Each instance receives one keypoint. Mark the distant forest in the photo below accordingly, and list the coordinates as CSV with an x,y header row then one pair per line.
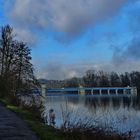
x,y
94,78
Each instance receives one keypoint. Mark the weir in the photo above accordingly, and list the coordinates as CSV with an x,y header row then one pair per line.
x,y
124,91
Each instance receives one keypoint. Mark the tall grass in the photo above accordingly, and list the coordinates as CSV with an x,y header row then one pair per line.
x,y
73,123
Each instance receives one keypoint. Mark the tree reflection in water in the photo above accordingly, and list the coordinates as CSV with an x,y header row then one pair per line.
x,y
121,114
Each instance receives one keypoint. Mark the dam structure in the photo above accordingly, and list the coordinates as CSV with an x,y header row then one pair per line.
x,y
95,91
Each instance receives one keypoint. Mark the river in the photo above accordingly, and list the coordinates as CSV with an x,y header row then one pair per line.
x,y
121,114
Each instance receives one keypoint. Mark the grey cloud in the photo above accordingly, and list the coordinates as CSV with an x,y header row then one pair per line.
x,y
134,16
25,35
70,17
59,71
131,53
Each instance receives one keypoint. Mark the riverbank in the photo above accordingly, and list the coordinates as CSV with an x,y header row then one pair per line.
x,y
45,132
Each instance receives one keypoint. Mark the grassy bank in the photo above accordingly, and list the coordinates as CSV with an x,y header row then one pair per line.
x,y
49,133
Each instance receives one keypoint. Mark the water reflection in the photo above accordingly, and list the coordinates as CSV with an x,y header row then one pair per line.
x,y
120,113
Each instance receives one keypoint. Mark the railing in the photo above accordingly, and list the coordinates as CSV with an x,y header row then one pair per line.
x,y
132,91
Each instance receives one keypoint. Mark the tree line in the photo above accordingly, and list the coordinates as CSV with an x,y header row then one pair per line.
x,y
93,78
16,69
104,79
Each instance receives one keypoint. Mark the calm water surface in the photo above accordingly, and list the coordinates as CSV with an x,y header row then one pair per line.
x,y
121,114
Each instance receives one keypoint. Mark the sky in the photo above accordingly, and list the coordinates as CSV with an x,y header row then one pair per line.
x,y
69,37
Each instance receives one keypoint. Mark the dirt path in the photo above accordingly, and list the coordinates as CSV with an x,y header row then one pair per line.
x,y
13,128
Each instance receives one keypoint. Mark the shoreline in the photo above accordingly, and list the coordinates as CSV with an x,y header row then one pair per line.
x,y
46,132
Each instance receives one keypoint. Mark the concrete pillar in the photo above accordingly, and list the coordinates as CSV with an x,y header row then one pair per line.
x,y
91,91
100,91
116,91
133,91
124,91
43,90
108,92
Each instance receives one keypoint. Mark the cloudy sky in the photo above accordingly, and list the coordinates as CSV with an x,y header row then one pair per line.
x,y
69,37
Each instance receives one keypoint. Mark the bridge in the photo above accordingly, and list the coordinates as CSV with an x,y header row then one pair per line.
x,y
125,91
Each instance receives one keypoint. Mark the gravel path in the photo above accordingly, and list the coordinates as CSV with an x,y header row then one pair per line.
x,y
13,128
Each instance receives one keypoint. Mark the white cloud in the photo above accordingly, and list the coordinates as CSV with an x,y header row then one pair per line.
x,y
70,17
25,35
59,71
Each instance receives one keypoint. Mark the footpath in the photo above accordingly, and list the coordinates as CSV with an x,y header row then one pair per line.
x,y
14,128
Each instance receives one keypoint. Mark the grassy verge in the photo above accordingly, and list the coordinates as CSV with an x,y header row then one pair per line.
x,y
49,133
44,132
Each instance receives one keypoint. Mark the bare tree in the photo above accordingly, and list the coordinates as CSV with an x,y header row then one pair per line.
x,y
15,62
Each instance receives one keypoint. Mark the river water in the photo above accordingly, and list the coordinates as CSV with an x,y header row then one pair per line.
x,y
121,114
